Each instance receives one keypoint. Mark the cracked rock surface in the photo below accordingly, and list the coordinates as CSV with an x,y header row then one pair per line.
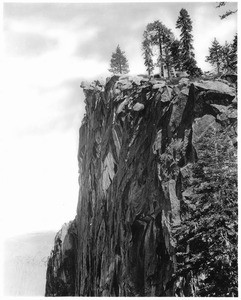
x,y
137,143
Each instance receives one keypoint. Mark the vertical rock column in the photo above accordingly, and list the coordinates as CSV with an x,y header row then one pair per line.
x,y
128,204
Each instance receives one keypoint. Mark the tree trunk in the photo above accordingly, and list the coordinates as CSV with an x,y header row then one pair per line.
x,y
167,63
218,67
160,47
120,69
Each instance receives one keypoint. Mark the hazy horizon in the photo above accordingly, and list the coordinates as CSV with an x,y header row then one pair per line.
x,y
25,269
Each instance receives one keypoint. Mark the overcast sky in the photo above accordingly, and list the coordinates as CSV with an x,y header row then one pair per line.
x,y
48,50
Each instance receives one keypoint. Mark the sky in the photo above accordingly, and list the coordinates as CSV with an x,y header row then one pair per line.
x,y
48,49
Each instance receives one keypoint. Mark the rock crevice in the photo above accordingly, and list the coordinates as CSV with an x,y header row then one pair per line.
x,y
137,144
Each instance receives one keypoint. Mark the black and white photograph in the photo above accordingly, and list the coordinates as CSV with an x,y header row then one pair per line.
x,y
118,149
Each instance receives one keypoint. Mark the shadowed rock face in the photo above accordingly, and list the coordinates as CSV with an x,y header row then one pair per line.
x,y
61,267
137,144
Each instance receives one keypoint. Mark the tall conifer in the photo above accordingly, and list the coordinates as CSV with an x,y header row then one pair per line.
x,y
215,55
161,36
233,54
184,23
147,53
119,63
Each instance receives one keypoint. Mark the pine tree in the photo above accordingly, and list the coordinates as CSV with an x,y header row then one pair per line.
x,y
184,23
168,59
160,35
223,57
147,53
233,54
119,63
226,56
215,55
207,241
175,53
229,53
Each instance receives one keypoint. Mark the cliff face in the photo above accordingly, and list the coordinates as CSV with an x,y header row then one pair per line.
x,y
61,267
138,143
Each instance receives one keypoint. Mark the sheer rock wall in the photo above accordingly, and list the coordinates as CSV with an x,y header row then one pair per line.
x,y
137,143
61,269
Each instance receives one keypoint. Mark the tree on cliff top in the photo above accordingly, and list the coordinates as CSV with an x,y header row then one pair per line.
x,y
233,54
184,23
215,55
147,53
157,34
223,57
119,63
175,52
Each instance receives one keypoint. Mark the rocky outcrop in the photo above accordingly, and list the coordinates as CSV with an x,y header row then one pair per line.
x,y
137,144
61,267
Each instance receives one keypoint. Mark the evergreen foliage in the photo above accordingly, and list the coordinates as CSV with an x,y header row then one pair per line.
x,y
223,57
161,36
207,241
227,13
175,53
119,63
168,58
226,56
147,53
184,23
215,55
220,4
233,54
172,53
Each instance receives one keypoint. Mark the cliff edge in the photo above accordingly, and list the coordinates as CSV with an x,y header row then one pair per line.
x,y
142,145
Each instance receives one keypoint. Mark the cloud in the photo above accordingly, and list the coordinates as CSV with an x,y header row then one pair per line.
x,y
124,24
64,112
91,31
28,44
116,25
40,111
56,12
207,26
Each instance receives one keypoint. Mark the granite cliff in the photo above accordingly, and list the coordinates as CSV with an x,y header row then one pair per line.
x,y
138,144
